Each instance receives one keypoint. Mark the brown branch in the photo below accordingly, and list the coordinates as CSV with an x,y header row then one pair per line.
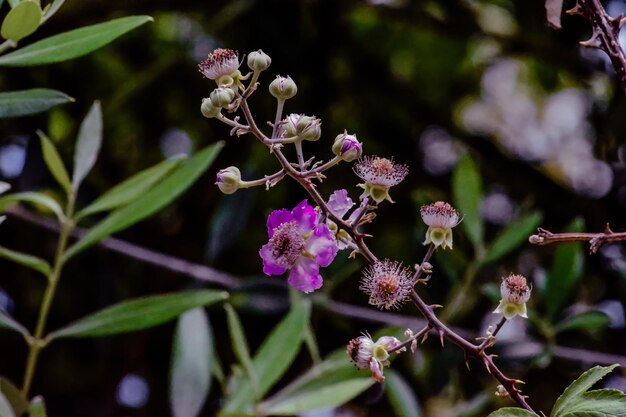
x,y
604,35
596,240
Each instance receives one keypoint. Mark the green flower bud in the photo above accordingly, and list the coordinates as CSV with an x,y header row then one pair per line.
x,y
228,180
208,110
222,96
283,88
259,60
347,147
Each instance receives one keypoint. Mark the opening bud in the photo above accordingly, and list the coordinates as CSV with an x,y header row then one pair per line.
x,y
515,293
228,180
222,97
259,60
283,88
367,354
304,127
208,110
347,147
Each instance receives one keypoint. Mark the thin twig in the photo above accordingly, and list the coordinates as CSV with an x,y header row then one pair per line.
x,y
596,240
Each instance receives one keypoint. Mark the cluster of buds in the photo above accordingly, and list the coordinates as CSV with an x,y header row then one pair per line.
x,y
300,127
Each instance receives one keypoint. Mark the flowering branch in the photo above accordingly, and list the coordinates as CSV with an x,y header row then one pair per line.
x,y
596,240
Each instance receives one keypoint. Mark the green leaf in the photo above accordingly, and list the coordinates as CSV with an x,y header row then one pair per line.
x,y
16,398
72,44
566,271
138,314
9,323
192,361
5,407
131,189
37,407
572,394
152,201
54,162
21,21
88,144
512,237
24,259
239,343
400,395
51,10
37,199
599,403
25,102
591,320
274,357
328,396
467,191
512,412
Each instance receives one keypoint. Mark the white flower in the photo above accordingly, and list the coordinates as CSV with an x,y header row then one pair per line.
x,y
379,174
515,293
440,217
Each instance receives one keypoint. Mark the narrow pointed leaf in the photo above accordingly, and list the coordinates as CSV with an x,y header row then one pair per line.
x,y
131,189
512,237
9,323
512,412
37,199
572,393
37,407
25,102
192,361
26,260
467,190
16,398
152,201
328,396
274,357
138,314
591,320
401,396
87,144
72,44
239,343
54,162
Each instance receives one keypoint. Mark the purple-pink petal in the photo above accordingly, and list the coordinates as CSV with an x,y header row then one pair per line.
x,y
322,245
305,276
305,216
276,218
339,203
270,266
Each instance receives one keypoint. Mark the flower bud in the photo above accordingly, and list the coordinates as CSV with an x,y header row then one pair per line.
x,y
259,60
309,128
208,110
515,293
228,180
283,88
347,147
364,353
222,96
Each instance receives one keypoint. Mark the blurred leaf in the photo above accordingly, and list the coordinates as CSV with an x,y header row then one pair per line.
x,y
138,314
152,201
512,412
228,221
132,188
327,396
34,100
273,358
400,395
591,320
566,271
87,144
5,407
37,407
24,259
512,237
572,394
599,403
9,323
72,44
51,10
192,361
21,21
17,400
54,162
239,344
37,199
553,13
467,191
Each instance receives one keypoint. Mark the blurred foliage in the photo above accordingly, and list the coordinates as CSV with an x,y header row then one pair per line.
x,y
400,75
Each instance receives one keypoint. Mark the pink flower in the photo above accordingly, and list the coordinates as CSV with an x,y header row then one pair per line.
x,y
298,243
219,63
